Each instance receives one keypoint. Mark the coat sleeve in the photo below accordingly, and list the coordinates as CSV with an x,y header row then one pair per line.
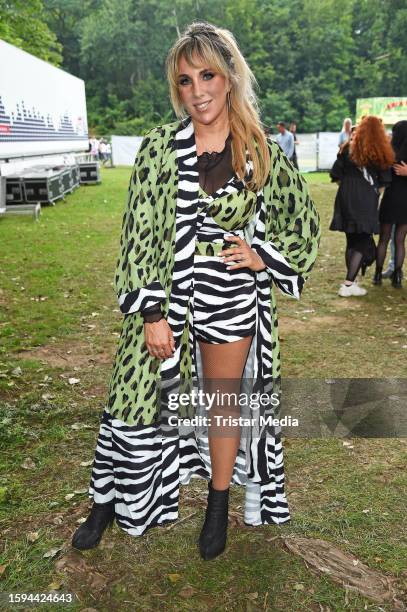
x,y
136,279
292,226
336,172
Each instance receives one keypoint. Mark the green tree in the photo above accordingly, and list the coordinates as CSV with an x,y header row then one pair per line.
x,y
311,60
22,23
380,63
64,18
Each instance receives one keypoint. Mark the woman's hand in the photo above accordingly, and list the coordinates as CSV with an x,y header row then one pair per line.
x,y
159,339
400,169
243,254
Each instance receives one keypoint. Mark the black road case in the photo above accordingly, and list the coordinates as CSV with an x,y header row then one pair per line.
x,y
44,186
75,175
89,172
14,190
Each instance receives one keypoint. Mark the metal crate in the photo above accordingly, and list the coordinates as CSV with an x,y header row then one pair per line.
x,y
67,182
14,190
75,175
89,172
45,186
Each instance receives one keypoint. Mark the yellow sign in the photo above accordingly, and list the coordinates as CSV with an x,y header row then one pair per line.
x,y
390,110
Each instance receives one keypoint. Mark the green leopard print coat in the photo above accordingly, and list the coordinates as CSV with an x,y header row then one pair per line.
x,y
156,254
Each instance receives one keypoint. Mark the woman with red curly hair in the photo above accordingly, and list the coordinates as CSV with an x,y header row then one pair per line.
x,y
362,168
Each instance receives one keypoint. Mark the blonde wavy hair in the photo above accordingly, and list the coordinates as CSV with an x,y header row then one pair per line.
x,y
217,48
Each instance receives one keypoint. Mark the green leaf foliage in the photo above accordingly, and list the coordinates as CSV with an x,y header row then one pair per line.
x,y
23,24
312,60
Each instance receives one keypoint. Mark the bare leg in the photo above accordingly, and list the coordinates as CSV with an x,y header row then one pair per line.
x,y
224,364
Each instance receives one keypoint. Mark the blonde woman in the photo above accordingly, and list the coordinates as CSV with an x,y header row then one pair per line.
x,y
346,131
216,215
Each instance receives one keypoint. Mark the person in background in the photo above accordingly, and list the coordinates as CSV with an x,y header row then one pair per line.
x,y
293,130
362,167
94,150
400,170
391,265
108,153
285,139
346,131
102,151
393,210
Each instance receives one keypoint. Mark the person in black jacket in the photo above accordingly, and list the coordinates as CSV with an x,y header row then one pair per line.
x,y
362,167
393,210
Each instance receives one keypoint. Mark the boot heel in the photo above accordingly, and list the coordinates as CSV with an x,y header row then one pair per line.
x,y
396,278
213,536
377,279
90,532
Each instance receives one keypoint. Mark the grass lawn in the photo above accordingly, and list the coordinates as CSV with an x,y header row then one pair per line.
x,y
315,178
59,321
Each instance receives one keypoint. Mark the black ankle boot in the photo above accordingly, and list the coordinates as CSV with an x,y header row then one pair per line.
x,y
90,532
377,279
396,278
212,540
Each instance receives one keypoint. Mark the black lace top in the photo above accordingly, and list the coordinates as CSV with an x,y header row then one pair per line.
x,y
215,169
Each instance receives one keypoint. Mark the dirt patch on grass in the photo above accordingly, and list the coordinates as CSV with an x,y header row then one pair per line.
x,y
347,304
69,355
311,323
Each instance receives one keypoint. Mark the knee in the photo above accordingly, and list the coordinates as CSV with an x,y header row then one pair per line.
x,y
383,240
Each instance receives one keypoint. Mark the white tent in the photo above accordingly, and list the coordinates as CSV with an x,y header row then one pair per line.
x,y
124,149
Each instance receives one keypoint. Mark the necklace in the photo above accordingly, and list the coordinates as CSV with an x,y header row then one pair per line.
x,y
216,150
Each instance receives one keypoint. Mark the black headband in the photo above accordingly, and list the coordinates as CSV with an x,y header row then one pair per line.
x,y
213,37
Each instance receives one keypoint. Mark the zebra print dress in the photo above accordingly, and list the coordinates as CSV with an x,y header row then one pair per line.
x,y
135,465
223,304
222,308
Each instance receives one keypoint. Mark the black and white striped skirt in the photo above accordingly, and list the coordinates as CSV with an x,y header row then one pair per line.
x,y
223,306
141,470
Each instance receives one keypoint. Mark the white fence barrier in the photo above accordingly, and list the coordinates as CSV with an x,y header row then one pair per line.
x,y
307,152
314,152
124,149
327,149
